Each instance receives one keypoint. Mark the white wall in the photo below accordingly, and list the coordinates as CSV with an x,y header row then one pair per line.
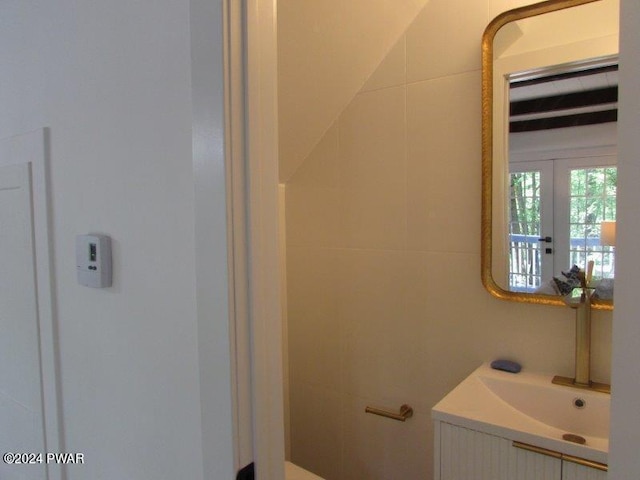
x,y
385,302
625,421
112,81
321,64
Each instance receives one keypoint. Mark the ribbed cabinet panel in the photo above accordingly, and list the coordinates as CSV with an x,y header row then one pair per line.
x,y
572,471
471,455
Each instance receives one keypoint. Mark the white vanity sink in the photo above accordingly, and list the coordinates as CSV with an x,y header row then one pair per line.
x,y
528,408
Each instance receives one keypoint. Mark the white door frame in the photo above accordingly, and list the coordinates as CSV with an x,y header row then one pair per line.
x,y
251,138
264,260
31,148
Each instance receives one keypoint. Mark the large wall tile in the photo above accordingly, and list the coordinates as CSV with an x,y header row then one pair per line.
x,y
444,39
321,168
317,429
364,452
315,330
313,197
326,51
444,127
313,216
373,306
372,142
373,218
372,150
392,71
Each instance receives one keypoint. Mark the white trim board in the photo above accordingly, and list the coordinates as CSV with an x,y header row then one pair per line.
x,y
214,274
30,148
264,262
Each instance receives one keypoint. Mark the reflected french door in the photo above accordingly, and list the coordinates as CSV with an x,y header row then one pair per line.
x,y
531,230
555,210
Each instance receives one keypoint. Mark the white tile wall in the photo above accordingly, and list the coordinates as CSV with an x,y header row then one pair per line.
x,y
383,233
393,69
372,161
443,121
326,52
444,39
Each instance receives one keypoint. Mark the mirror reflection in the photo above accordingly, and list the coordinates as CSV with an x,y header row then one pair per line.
x,y
562,177
549,149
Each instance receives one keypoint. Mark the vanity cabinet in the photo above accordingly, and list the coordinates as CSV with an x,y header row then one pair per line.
x,y
464,454
571,471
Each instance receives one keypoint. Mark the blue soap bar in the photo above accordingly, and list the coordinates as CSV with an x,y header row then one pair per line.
x,y
506,365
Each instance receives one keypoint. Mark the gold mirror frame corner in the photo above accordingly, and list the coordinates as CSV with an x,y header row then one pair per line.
x,y
487,153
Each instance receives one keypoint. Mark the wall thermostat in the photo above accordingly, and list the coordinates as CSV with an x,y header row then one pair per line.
x,y
93,260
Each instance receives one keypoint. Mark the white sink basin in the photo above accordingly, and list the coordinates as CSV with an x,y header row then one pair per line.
x,y
527,407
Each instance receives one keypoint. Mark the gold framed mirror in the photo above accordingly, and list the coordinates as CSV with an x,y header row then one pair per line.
x,y
555,43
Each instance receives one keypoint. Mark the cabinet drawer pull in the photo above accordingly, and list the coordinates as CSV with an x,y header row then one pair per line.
x,y
562,456
534,449
584,462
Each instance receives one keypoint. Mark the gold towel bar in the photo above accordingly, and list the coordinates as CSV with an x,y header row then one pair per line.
x,y
405,412
562,456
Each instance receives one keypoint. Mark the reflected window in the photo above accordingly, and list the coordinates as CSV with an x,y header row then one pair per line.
x,y
525,228
592,197
555,213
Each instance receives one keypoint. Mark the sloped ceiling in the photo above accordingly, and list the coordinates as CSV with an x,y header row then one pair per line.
x,y
327,49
